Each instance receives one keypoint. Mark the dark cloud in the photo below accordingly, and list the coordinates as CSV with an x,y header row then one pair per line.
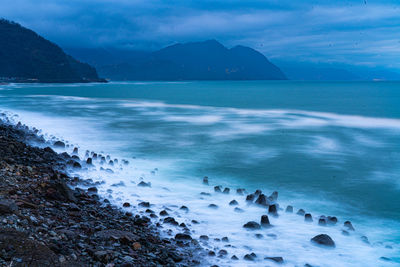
x,y
357,31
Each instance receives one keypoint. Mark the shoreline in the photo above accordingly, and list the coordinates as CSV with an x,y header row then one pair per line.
x,y
43,222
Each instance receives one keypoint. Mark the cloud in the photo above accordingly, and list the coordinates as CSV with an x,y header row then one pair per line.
x,y
316,30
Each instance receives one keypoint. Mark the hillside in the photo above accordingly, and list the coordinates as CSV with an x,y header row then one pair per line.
x,y
27,57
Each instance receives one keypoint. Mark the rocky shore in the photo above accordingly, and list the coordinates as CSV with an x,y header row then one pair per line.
x,y
43,222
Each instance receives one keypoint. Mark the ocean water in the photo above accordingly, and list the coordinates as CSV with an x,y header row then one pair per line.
x,y
330,148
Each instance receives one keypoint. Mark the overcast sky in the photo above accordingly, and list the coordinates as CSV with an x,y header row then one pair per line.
x,y
365,32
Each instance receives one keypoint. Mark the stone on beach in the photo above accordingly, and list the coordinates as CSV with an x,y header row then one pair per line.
x,y
59,144
144,184
226,190
217,189
273,210
250,198
308,217
213,206
275,259
301,212
289,209
349,226
233,203
265,221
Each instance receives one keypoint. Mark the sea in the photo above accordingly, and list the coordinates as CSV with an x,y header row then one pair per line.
x,y
329,148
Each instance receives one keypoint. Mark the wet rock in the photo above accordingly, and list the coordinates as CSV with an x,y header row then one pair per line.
x,y
184,208
205,194
92,189
332,220
275,259
289,209
258,192
213,206
258,236
308,217
195,222
225,239
222,252
385,259
365,239
204,238
265,221
144,184
273,210
250,198
301,212
75,151
7,206
348,226
240,191
322,222
250,257
170,220
126,205
344,232
238,210
234,257
262,200
59,144
252,225
77,165
233,203
180,236
226,190
217,189
211,253
89,161
324,240
274,196
144,204
205,180
164,213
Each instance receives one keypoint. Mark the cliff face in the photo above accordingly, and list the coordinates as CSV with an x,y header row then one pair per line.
x,y
26,56
207,60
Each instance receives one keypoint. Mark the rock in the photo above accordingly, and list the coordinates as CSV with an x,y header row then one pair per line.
x,y
7,206
324,240
265,221
163,213
75,151
143,184
252,225
344,232
301,212
225,239
322,222
211,253
222,252
275,259
92,189
205,180
234,257
204,238
59,144
89,161
250,198
126,205
240,191
217,189
258,192
180,236
289,209
274,196
184,208
308,217
213,206
238,210
250,257
332,220
273,210
365,239
226,190
233,203
144,204
348,225
262,200
170,220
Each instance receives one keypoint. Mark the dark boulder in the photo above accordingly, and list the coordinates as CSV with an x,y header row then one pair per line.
x,y
233,203
308,217
180,236
273,210
226,190
262,200
213,206
59,144
217,189
250,198
348,225
275,259
324,240
144,184
265,221
205,180
289,209
301,212
252,225
7,206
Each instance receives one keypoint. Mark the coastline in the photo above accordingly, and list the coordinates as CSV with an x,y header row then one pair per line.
x,y
43,222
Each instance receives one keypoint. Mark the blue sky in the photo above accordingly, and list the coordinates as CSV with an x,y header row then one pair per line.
x,y
361,32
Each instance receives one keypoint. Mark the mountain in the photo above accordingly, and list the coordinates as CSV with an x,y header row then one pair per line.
x,y
208,60
27,57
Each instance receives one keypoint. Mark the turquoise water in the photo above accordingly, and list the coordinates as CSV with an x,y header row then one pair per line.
x,y
330,148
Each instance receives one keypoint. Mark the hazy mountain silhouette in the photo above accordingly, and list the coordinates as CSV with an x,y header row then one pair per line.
x,y
208,60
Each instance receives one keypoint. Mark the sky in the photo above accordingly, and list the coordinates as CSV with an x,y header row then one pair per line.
x,y
358,32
